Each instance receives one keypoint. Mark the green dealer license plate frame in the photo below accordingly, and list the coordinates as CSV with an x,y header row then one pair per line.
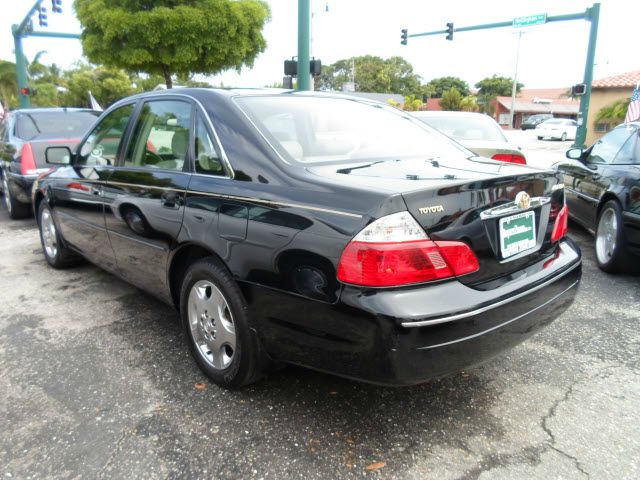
x,y
517,233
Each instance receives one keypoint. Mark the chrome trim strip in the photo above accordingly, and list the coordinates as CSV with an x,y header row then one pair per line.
x,y
458,340
580,194
238,198
511,207
451,318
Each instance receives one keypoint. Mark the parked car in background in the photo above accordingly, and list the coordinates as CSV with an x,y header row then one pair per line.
x,y
533,121
603,194
24,137
312,229
557,129
479,133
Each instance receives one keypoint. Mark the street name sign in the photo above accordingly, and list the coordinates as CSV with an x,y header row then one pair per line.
x,y
530,20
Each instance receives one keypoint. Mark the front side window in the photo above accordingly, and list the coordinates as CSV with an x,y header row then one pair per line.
x,y
606,149
103,144
161,136
313,130
207,160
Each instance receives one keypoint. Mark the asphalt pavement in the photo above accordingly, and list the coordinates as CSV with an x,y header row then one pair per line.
x,y
97,382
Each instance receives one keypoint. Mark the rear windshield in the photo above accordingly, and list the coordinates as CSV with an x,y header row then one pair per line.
x,y
461,128
54,124
554,122
317,130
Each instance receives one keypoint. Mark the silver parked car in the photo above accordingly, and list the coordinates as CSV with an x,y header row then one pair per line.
x,y
478,132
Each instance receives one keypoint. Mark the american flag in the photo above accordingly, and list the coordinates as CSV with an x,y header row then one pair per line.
x,y
633,112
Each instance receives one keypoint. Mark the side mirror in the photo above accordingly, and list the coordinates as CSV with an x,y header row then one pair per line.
x,y
574,153
58,155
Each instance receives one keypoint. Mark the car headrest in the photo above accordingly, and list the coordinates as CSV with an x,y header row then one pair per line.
x,y
179,143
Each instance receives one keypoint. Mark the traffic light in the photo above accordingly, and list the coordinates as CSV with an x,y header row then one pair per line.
x,y
42,16
578,89
291,67
27,91
56,6
450,31
315,67
403,37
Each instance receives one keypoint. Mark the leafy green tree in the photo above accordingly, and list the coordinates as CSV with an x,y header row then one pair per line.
x,y
451,100
167,37
411,103
469,104
107,84
440,85
614,113
496,86
8,84
371,74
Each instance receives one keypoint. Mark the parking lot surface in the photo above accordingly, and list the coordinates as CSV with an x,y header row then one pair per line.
x,y
97,382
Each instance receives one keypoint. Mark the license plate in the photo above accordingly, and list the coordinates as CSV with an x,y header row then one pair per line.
x,y
517,233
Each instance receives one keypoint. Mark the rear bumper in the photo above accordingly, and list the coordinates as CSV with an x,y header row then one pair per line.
x,y
410,335
21,186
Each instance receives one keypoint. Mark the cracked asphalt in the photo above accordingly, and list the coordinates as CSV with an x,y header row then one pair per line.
x,y
96,382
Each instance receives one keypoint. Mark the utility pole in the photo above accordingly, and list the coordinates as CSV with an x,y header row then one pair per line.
x,y
593,15
304,37
515,81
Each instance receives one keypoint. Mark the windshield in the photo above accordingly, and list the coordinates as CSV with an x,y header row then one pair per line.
x,y
313,130
553,122
54,124
464,128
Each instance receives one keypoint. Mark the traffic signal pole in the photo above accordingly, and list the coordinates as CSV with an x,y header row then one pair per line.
x,y
591,15
304,41
22,31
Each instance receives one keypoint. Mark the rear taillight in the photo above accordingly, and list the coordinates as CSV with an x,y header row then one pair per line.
x,y
395,250
510,158
561,227
27,161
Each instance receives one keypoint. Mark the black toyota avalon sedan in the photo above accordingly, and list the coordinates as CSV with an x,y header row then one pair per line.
x,y
312,229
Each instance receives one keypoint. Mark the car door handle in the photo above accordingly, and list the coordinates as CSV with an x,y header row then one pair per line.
x,y
596,177
96,191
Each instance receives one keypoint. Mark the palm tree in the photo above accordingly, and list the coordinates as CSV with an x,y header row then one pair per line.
x,y
613,114
8,84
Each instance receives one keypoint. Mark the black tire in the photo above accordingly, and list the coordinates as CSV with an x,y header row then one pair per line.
x,y
539,138
62,257
563,137
247,362
15,208
618,259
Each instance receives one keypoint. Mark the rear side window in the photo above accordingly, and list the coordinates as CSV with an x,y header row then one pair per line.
x,y
606,149
102,145
54,124
161,136
207,160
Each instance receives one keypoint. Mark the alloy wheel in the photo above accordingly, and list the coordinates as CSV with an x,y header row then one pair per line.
x,y
606,235
49,237
211,323
5,191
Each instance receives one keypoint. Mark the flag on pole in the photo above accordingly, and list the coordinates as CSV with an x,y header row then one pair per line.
x,y
94,103
633,112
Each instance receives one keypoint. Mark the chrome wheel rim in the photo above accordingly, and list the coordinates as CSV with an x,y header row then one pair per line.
x,y
49,238
606,235
211,323
5,191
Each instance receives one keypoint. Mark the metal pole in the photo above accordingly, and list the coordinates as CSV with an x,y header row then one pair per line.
x,y
515,82
21,68
593,14
304,32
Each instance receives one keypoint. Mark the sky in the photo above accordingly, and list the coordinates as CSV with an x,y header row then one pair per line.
x,y
551,55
